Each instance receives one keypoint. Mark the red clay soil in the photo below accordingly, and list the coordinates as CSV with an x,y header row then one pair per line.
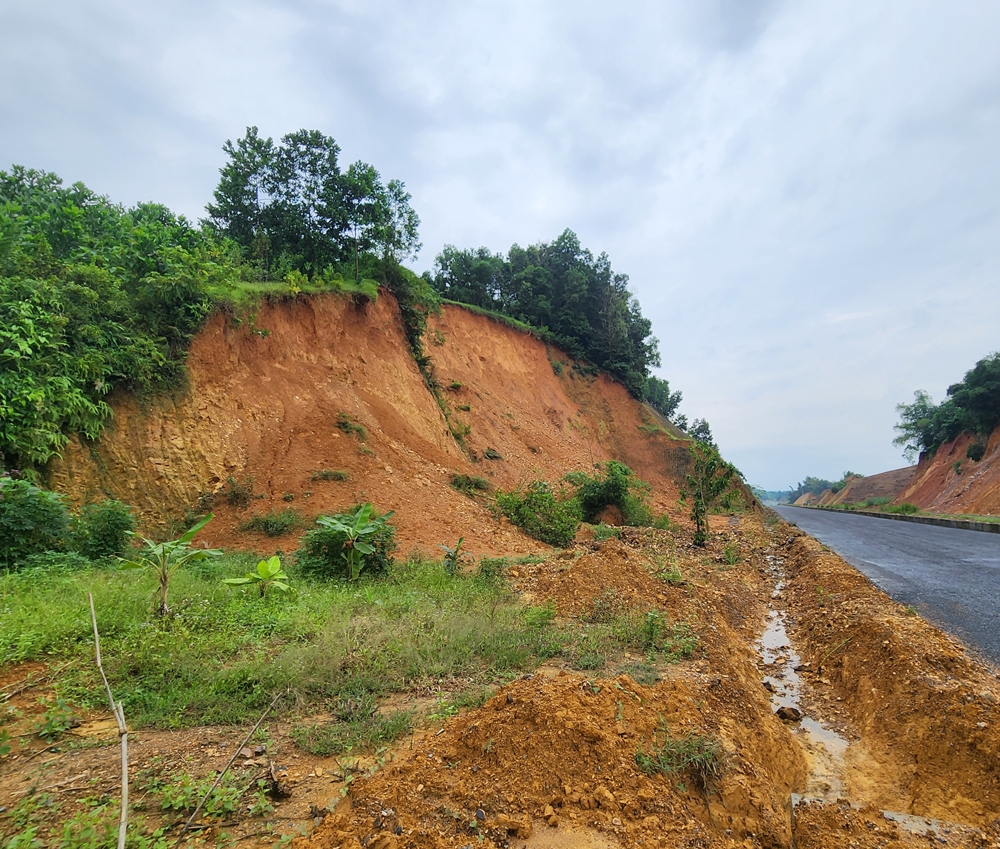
x,y
949,482
883,485
264,410
550,759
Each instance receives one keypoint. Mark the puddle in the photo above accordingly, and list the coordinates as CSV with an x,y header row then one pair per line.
x,y
823,748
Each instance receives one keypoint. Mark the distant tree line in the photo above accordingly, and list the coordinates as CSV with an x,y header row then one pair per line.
x,y
817,486
972,406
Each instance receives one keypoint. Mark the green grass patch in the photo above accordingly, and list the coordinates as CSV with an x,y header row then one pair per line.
x,y
330,475
275,523
224,654
470,485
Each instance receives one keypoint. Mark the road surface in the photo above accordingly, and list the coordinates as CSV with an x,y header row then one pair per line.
x,y
951,576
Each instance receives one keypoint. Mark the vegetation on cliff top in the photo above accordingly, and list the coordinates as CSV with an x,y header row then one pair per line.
x,y
97,297
972,406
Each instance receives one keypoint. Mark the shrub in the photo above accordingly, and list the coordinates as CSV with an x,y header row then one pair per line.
x,y
330,475
906,508
537,512
321,549
470,484
32,520
239,493
975,451
274,524
348,425
102,529
618,487
492,454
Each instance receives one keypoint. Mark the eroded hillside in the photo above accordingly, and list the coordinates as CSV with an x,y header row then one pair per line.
x,y
323,385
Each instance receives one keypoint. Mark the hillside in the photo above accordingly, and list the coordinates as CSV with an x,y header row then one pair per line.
x,y
264,399
951,482
883,485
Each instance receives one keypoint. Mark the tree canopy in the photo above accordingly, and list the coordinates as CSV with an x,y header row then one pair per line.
x,y
93,296
289,206
563,288
972,406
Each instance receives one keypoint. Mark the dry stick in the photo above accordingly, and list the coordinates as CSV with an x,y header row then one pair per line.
x,y
218,778
119,712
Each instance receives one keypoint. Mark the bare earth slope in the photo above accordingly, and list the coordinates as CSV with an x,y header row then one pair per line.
x,y
264,408
883,485
968,487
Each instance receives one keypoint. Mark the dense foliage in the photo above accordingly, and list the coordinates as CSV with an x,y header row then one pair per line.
x,y
290,207
561,287
32,520
536,511
321,551
617,487
660,398
972,406
92,297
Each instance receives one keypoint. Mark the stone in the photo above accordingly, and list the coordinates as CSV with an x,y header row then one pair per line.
x,y
789,714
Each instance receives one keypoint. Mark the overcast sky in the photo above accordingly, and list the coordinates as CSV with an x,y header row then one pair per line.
x,y
806,196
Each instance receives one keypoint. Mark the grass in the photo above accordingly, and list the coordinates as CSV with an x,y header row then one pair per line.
x,y
330,475
223,656
470,485
275,523
700,757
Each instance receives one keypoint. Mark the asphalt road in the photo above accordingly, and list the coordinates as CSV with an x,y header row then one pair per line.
x,y
951,576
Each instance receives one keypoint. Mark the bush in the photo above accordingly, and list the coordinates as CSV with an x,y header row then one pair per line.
x,y
319,555
618,487
906,508
470,484
537,512
102,529
975,451
273,524
32,520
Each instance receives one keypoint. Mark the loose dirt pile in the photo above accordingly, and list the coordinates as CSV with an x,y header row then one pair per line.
x,y
551,759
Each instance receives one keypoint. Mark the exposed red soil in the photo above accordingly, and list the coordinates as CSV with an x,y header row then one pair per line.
x,y
883,485
265,409
973,487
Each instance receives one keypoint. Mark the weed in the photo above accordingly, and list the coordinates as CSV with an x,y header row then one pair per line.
x,y
356,527
348,424
663,522
492,570
465,408
454,386
911,610
438,338
603,532
606,607
185,792
957,467
288,497
274,524
470,484
56,719
731,554
906,508
4,742
976,450
696,755
365,451
617,487
643,673
359,730
239,493
492,454
330,475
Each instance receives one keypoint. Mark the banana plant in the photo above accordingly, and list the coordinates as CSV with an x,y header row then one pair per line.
x,y
165,558
355,526
269,574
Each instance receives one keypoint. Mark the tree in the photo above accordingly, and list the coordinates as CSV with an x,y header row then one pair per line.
x,y
660,398
702,432
711,479
397,231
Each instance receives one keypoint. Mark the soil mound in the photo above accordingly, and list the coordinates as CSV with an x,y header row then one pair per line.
x,y
884,485
613,575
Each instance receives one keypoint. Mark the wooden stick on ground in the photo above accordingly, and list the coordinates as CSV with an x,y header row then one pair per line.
x,y
218,778
119,713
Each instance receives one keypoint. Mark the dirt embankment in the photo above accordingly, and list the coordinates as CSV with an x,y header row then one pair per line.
x,y
911,721
951,482
883,485
264,408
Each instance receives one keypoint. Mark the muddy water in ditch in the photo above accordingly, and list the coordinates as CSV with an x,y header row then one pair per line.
x,y
825,750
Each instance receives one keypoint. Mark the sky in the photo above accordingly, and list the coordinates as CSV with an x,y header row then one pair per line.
x,y
805,196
